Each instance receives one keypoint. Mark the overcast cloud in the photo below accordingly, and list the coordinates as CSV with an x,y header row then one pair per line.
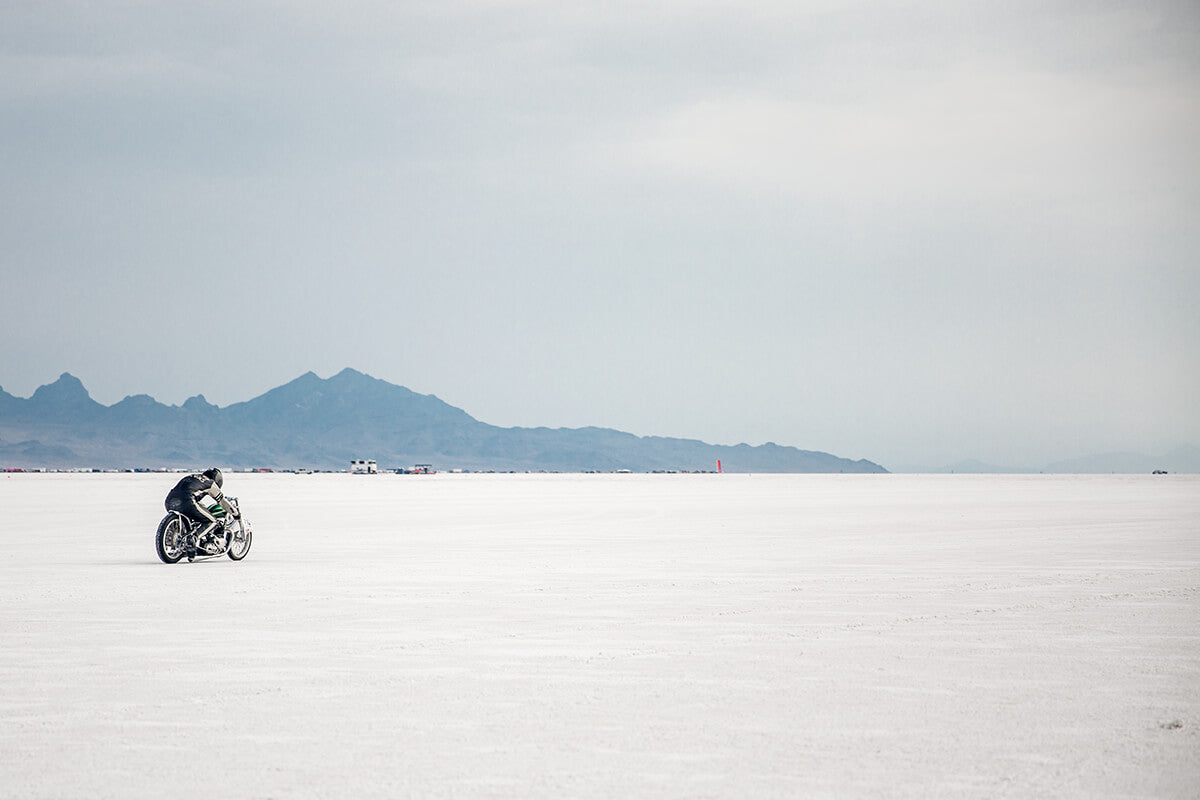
x,y
910,232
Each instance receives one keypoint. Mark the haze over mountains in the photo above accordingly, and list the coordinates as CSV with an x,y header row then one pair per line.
x,y
324,423
1185,458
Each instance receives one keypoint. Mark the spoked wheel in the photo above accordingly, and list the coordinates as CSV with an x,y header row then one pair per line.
x,y
239,539
170,539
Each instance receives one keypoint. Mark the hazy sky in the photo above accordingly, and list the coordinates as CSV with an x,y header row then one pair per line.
x,y
913,232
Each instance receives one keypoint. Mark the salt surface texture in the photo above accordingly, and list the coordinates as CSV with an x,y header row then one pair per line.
x,y
607,636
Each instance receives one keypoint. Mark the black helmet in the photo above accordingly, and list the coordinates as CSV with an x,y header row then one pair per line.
x,y
214,475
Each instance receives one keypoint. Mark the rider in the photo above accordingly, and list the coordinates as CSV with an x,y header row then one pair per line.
x,y
183,498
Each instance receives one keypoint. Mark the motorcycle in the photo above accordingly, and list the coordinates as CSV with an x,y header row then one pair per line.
x,y
176,537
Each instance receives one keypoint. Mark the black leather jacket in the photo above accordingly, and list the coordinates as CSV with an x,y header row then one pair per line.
x,y
195,486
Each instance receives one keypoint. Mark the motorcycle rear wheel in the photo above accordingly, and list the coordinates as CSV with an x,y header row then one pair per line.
x,y
169,541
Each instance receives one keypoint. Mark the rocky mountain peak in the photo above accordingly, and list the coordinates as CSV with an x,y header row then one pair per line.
x,y
66,390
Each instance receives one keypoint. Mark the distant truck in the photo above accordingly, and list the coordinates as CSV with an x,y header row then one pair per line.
x,y
363,466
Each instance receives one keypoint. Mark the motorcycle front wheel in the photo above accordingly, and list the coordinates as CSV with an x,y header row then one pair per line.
x,y
240,538
169,542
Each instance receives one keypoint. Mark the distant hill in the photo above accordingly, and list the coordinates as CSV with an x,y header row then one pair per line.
x,y
1185,459
975,467
1181,459
324,423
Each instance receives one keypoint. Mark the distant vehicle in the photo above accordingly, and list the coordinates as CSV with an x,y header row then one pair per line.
x,y
363,466
1159,472
176,537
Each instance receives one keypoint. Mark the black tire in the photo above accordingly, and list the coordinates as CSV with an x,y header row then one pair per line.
x,y
170,539
240,539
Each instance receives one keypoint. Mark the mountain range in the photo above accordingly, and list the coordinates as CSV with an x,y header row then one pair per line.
x,y
1183,459
324,423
